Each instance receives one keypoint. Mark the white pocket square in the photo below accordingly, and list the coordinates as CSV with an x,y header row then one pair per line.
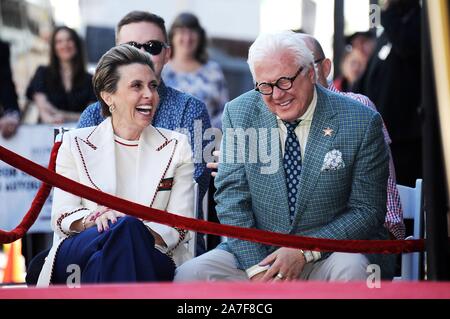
x,y
333,161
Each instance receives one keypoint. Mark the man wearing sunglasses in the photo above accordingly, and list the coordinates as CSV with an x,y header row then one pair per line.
x,y
330,181
176,110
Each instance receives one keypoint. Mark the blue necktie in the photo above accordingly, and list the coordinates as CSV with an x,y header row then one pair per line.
x,y
292,163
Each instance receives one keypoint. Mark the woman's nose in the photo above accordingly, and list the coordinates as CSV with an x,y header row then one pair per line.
x,y
148,92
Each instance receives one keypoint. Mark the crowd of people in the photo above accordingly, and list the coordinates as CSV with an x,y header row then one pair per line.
x,y
335,152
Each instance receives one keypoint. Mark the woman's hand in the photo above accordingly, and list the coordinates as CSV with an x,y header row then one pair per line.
x,y
50,117
9,124
102,216
48,113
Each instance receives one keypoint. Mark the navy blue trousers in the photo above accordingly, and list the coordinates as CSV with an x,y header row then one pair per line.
x,y
124,253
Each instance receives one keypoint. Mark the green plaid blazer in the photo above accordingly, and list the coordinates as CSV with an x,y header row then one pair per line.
x,y
344,203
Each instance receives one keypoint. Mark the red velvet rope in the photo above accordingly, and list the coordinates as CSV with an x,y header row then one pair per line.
x,y
36,205
162,217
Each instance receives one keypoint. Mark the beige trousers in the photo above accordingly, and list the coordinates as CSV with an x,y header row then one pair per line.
x,y
220,265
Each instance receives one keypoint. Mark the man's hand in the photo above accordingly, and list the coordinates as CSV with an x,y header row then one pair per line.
x,y
214,165
288,262
8,125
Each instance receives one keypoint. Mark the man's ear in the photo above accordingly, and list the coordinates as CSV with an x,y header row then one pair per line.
x,y
311,73
107,97
326,67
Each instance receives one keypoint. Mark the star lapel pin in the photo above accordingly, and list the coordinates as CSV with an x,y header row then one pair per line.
x,y
328,131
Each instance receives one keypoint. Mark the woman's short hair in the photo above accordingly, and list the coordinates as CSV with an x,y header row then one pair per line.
x,y
106,75
190,21
268,44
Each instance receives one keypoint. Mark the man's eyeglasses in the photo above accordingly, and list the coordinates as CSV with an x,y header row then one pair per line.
x,y
284,83
154,47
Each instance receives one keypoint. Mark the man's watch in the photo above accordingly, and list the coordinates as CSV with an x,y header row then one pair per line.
x,y
311,256
308,255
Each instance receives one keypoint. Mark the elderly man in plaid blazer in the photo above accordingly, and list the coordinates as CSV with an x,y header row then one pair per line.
x,y
296,159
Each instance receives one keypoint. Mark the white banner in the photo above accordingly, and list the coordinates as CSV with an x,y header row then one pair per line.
x,y
17,189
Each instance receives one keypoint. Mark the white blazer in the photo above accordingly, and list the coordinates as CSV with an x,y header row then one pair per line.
x,y
87,156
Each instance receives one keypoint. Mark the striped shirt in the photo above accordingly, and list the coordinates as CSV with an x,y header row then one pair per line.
x,y
394,216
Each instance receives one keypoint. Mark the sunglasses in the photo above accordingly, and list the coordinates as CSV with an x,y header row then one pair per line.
x,y
154,47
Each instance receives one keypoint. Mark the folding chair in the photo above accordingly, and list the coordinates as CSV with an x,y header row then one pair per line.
x,y
411,199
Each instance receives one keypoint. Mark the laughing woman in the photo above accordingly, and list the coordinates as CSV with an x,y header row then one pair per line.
x,y
127,157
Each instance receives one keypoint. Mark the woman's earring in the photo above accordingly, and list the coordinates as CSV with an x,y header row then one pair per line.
x,y
112,107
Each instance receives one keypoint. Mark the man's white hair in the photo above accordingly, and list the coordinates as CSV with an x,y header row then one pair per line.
x,y
270,43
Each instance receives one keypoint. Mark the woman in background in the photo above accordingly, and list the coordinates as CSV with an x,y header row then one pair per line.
x,y
63,89
352,67
189,69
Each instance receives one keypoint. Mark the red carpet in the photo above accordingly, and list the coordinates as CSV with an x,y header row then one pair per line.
x,y
223,290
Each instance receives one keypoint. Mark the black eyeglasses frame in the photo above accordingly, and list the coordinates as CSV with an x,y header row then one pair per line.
x,y
272,85
153,47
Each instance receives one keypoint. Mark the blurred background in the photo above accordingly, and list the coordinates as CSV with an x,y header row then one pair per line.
x,y
231,26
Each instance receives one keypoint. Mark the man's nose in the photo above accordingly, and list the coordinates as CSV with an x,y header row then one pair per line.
x,y
277,92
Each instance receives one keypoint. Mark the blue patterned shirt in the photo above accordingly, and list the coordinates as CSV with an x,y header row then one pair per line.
x,y
177,111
